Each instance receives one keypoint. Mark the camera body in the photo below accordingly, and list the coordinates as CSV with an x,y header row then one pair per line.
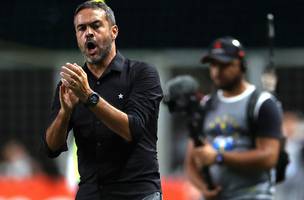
x,y
182,95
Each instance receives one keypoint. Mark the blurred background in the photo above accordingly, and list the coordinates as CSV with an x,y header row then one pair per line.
x,y
37,38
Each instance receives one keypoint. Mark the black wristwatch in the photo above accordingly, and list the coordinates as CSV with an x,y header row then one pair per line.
x,y
219,159
92,100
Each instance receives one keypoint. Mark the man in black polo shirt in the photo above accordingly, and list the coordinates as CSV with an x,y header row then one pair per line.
x,y
112,105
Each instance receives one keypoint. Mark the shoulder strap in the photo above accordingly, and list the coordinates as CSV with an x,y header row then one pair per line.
x,y
251,120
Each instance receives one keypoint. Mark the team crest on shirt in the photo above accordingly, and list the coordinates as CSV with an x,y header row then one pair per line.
x,y
225,130
222,143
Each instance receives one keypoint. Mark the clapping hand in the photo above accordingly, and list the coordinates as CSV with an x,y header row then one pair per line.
x,y
74,78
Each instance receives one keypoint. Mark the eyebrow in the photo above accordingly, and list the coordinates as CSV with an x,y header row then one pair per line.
x,y
89,23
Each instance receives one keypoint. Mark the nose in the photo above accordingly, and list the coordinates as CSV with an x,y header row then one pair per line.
x,y
215,70
89,33
215,67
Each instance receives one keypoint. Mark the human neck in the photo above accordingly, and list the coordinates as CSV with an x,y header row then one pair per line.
x,y
99,68
238,89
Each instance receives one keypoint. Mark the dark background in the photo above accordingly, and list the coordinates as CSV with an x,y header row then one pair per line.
x,y
157,24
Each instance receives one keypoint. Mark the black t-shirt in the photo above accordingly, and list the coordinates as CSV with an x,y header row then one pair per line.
x,y
120,169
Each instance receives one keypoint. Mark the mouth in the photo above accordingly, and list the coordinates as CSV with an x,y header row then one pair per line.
x,y
91,47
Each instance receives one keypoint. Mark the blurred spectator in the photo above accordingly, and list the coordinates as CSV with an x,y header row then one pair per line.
x,y
291,188
16,163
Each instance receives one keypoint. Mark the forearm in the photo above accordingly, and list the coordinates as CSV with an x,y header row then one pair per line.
x,y
56,133
195,177
263,157
253,159
113,118
191,170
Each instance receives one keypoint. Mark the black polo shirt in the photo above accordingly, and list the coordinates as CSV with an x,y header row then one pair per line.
x,y
120,169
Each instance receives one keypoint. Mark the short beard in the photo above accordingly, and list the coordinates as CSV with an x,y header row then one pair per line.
x,y
232,84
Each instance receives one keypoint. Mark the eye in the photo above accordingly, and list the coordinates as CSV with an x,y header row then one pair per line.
x,y
81,28
96,25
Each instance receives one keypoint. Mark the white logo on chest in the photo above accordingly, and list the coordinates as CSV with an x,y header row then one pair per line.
x,y
120,96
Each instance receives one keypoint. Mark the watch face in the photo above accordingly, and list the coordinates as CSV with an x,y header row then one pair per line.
x,y
94,98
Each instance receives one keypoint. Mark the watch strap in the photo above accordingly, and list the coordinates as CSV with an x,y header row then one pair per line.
x,y
219,159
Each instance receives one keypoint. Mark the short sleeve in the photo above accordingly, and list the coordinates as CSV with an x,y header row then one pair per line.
x,y
269,121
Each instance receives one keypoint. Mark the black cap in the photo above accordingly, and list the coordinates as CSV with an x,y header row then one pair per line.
x,y
224,50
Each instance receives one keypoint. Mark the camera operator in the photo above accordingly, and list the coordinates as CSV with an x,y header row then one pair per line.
x,y
240,161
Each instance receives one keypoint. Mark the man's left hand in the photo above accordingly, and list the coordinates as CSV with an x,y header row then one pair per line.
x,y
75,78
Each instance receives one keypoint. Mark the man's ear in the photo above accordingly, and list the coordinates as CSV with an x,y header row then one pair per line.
x,y
114,31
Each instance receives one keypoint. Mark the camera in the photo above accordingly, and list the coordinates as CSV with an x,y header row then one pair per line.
x,y
182,95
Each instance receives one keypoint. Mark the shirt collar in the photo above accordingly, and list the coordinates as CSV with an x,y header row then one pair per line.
x,y
117,63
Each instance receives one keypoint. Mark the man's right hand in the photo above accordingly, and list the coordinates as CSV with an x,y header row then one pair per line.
x,y
56,133
67,99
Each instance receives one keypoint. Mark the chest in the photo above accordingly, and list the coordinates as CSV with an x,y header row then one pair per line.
x,y
227,125
113,87
227,118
